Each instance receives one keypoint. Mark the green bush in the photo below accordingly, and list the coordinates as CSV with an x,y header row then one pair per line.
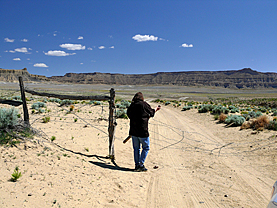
x,y
121,113
167,103
16,174
185,108
125,103
54,100
66,102
220,109
16,98
8,117
206,108
38,105
46,119
236,120
273,125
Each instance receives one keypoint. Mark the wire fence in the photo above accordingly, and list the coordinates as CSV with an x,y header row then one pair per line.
x,y
180,139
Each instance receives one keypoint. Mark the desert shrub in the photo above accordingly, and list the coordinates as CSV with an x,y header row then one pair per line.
x,y
235,120
246,125
16,174
220,109
272,125
66,102
222,117
54,100
16,98
216,117
260,122
233,109
157,101
185,108
8,117
167,103
46,119
125,103
121,113
38,105
274,113
252,114
71,108
206,108
263,110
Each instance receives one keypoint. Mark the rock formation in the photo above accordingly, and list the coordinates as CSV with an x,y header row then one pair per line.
x,y
244,78
11,75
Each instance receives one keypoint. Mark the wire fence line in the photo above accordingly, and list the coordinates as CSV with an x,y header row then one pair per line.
x,y
193,144
182,136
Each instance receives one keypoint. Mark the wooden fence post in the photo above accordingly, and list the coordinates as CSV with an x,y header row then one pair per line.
x,y
112,124
23,98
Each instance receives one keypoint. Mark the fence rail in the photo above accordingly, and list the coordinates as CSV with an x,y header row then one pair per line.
x,y
70,97
112,120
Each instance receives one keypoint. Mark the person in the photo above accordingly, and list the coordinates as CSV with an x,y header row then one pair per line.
x,y
139,113
273,201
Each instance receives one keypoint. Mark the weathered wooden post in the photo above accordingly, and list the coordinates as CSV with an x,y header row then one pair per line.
x,y
23,98
112,124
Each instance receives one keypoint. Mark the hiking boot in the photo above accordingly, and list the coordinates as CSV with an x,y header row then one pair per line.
x,y
137,167
142,168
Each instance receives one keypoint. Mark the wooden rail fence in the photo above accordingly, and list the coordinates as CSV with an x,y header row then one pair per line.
x,y
111,99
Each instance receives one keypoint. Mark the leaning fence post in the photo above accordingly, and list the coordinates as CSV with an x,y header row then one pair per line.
x,y
23,98
112,124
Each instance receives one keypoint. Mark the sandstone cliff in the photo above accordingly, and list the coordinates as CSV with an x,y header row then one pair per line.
x,y
11,75
244,78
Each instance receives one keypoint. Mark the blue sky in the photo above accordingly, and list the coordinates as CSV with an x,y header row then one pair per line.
x,y
54,37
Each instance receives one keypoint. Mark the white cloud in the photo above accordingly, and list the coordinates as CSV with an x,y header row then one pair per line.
x,y
186,45
81,63
24,40
21,50
58,53
142,38
11,51
54,34
80,38
112,47
101,47
17,59
9,40
40,65
73,47
90,49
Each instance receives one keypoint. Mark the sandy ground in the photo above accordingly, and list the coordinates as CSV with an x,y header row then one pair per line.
x,y
200,163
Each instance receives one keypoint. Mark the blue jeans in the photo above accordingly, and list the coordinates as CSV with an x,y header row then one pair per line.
x,y
145,143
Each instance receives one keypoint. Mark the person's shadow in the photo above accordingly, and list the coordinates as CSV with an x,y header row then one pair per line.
x,y
109,166
103,163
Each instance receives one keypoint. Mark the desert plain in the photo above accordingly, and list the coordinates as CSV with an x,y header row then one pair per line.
x,y
193,161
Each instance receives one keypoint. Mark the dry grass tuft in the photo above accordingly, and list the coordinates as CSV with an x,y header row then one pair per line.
x,y
222,118
260,122
246,125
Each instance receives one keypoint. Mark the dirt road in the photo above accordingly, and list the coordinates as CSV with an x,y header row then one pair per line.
x,y
204,164
193,162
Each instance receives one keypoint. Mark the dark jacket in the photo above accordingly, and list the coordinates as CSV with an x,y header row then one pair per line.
x,y
139,113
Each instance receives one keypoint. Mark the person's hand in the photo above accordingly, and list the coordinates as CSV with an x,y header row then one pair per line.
x,y
158,108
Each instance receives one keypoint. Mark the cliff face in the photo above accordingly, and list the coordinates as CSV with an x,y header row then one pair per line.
x,y
244,78
11,75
